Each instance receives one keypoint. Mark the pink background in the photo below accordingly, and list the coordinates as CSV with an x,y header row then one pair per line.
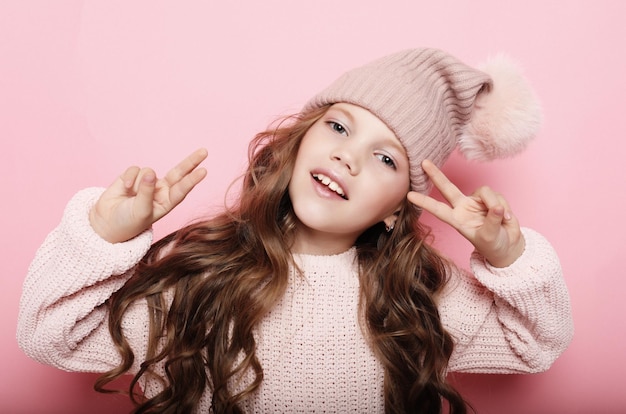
x,y
90,87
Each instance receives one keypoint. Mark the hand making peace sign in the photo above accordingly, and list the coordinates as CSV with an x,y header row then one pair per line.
x,y
138,198
484,218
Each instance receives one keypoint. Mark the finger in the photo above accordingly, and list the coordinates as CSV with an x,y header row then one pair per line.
x,y
129,177
186,166
143,206
438,209
179,191
508,214
497,213
449,191
510,220
492,199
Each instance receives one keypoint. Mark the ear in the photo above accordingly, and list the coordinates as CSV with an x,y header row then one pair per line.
x,y
390,221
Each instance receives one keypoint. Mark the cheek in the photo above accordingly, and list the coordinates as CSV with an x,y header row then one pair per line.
x,y
310,148
395,185
305,152
395,201
388,195
398,192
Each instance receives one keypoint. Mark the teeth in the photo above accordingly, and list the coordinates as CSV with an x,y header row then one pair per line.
x,y
329,183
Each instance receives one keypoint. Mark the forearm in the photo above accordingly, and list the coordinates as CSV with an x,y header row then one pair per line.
x,y
517,319
74,272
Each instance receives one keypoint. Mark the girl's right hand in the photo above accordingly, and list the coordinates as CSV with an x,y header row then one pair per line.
x,y
137,199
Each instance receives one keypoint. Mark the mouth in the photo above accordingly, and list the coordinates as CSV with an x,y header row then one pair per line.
x,y
330,184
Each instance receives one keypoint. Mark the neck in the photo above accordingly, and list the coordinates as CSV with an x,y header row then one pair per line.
x,y
321,243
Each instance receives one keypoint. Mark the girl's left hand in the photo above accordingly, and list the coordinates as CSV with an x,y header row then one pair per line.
x,y
484,218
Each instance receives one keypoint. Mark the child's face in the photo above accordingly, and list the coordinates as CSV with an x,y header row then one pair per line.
x,y
351,172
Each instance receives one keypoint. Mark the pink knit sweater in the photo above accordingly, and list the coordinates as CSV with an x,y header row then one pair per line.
x,y
313,353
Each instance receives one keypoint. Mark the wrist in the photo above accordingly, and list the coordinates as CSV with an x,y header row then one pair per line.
x,y
97,226
512,254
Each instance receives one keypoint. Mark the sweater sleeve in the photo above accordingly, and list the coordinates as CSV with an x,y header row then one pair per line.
x,y
509,320
63,317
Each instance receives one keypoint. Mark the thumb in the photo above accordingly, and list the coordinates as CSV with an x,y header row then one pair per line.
x,y
493,221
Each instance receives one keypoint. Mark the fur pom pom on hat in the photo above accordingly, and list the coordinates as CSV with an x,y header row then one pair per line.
x,y
433,103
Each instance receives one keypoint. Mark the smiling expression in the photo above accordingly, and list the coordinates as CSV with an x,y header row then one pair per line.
x,y
351,172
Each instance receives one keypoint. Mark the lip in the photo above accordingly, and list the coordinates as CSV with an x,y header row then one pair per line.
x,y
334,177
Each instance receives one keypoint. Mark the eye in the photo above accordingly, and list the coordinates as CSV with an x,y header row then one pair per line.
x,y
387,160
337,127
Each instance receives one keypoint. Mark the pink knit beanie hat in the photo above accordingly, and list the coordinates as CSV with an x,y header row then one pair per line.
x,y
434,102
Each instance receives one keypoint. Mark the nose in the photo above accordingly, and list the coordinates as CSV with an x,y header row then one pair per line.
x,y
348,155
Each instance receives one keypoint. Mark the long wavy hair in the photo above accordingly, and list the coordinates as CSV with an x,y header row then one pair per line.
x,y
209,284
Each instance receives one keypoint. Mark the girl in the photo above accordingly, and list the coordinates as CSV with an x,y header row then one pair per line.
x,y
317,291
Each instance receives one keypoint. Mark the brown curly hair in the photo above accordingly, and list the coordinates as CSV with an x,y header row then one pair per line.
x,y
209,284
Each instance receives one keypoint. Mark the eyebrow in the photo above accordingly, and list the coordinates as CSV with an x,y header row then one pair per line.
x,y
346,112
396,144
386,140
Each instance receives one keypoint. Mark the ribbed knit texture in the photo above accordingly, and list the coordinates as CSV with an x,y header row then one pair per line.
x,y
425,96
314,355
